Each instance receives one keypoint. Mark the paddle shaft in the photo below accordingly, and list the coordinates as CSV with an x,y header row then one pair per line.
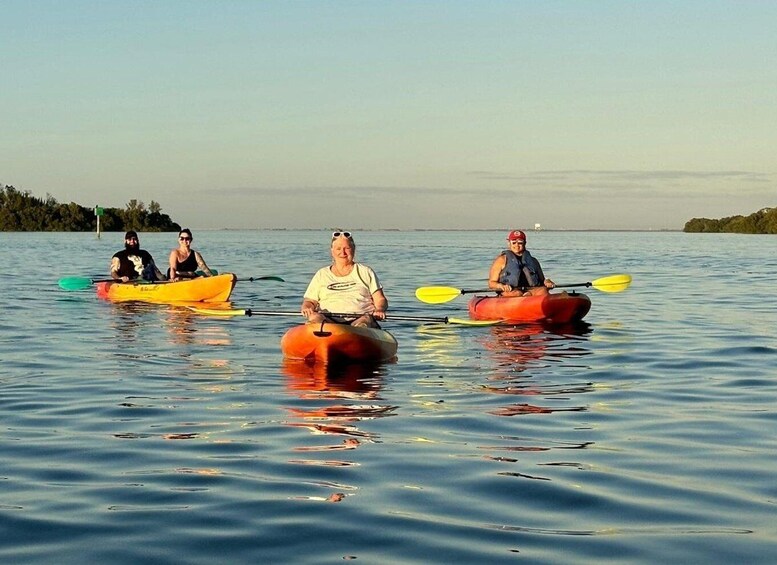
x,y
190,274
524,288
262,278
444,320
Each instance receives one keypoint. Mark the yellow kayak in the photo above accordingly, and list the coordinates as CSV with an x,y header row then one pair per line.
x,y
200,289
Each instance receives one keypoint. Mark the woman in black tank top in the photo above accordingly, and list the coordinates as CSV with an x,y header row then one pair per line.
x,y
185,261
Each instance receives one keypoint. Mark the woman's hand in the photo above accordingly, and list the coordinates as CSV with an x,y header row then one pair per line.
x,y
308,309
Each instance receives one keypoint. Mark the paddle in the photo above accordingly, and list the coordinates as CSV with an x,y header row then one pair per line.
x,y
80,283
249,312
440,294
263,278
250,279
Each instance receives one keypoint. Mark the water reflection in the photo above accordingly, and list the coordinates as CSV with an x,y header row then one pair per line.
x,y
356,392
188,332
180,322
520,348
137,325
126,321
318,382
536,369
440,345
128,318
519,351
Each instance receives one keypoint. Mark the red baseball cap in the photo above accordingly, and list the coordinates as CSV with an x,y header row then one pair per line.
x,y
516,235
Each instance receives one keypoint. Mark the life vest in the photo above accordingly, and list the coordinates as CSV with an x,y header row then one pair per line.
x,y
521,272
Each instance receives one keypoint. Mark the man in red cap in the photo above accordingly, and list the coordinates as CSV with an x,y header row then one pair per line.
x,y
515,272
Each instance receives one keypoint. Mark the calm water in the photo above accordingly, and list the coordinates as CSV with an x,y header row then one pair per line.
x,y
140,433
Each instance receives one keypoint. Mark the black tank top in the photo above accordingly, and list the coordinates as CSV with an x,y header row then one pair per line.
x,y
187,265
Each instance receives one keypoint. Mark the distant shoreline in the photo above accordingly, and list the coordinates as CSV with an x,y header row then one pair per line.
x,y
451,229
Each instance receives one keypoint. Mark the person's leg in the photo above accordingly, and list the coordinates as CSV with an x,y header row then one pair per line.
x,y
365,321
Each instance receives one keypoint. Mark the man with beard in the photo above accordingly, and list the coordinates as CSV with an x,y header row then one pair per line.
x,y
134,262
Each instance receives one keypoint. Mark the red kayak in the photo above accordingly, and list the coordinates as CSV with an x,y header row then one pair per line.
x,y
558,308
338,343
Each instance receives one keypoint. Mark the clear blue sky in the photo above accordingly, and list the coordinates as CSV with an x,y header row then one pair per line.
x,y
418,114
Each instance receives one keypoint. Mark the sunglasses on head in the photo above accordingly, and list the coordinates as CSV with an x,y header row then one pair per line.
x,y
336,234
185,238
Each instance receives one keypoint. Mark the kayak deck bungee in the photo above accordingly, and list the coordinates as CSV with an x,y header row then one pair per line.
x,y
200,289
338,343
554,308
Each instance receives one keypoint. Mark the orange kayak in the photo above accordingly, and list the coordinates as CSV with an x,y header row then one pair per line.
x,y
558,308
338,343
200,289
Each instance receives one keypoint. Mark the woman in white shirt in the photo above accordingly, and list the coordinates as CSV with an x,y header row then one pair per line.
x,y
346,288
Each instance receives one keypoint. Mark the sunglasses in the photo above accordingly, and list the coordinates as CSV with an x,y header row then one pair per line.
x,y
512,241
184,239
336,234
133,238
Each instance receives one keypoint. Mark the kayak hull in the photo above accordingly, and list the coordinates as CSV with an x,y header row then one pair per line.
x,y
338,343
555,308
200,289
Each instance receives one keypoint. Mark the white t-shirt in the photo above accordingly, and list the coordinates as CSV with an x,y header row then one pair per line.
x,y
351,294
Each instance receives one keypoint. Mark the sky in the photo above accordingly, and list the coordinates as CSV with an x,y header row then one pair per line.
x,y
416,114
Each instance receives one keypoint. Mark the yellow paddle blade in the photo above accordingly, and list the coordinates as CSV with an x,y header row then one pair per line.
x,y
466,322
215,312
613,283
436,294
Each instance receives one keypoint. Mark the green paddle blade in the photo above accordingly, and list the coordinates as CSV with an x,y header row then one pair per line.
x,y
75,283
436,294
613,283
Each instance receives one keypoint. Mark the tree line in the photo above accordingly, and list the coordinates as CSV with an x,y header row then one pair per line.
x,y
20,211
762,221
